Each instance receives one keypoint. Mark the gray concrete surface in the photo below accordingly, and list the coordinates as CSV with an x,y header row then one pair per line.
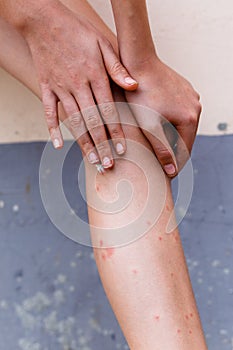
x,y
50,293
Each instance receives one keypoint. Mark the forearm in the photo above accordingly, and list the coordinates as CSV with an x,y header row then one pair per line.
x,y
21,13
12,42
133,31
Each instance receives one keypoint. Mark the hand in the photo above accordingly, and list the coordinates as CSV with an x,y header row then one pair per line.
x,y
173,97
73,61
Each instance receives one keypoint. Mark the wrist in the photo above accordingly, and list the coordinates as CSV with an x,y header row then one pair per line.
x,y
138,63
34,16
133,31
136,47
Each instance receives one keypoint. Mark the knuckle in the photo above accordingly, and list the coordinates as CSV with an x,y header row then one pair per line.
x,y
59,83
49,110
101,82
50,115
198,95
92,119
115,131
108,111
48,96
75,121
191,119
105,42
99,137
70,108
85,142
199,108
45,87
117,68
102,147
80,84
164,156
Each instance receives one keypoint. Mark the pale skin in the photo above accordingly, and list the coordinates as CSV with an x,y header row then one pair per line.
x,y
160,87
146,281
74,73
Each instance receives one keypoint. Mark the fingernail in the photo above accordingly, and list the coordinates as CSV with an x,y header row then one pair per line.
x,y
170,169
93,158
56,143
130,81
119,148
106,162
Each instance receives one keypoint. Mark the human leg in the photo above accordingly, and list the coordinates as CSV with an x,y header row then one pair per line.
x,y
146,281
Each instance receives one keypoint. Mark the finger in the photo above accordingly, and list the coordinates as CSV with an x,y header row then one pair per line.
x,y
109,113
77,127
79,131
162,150
49,101
187,134
115,68
95,127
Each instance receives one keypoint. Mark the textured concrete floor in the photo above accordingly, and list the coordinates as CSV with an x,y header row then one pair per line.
x,y
50,294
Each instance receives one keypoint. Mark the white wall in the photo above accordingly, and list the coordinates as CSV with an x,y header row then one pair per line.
x,y
194,37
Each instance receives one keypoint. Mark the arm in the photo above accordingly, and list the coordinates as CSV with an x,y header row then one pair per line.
x,y
72,61
146,281
133,31
160,88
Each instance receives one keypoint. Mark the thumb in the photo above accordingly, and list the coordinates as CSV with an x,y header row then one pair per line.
x,y
115,68
163,151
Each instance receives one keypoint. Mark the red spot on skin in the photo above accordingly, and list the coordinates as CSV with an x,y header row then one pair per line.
x,y
148,223
110,252
172,274
190,332
167,207
160,238
97,188
135,271
103,256
176,238
178,331
191,315
157,318
186,316
101,243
